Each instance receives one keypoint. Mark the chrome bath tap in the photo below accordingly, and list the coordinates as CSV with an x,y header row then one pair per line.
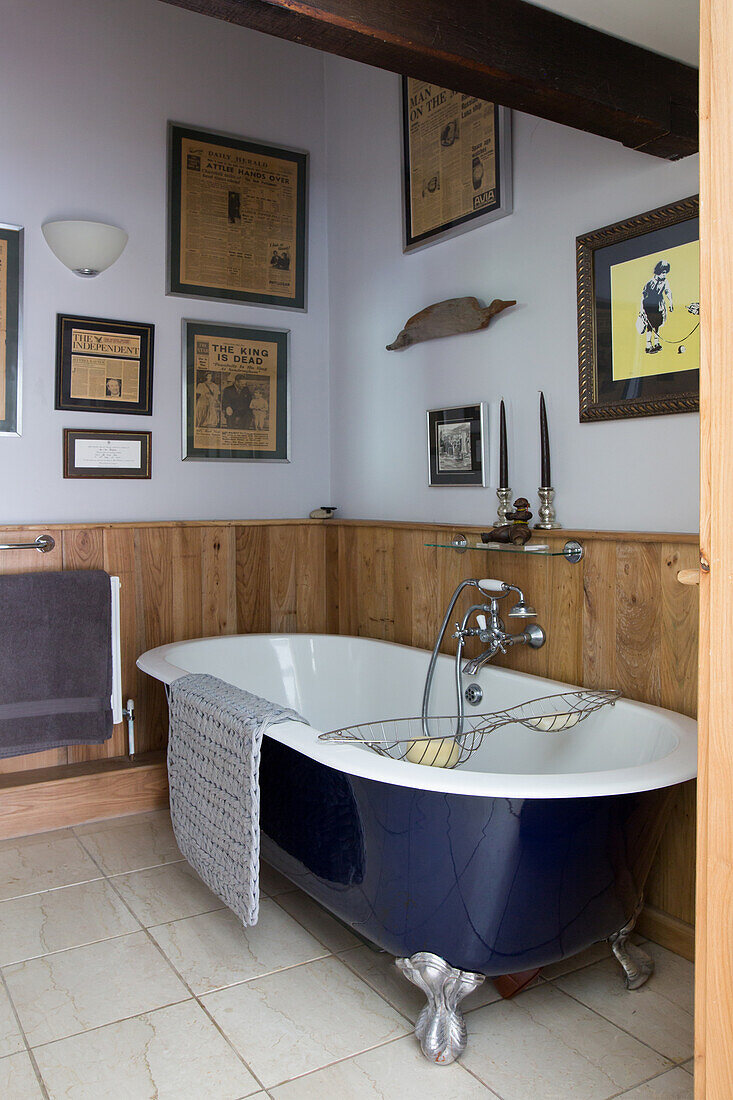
x,y
489,630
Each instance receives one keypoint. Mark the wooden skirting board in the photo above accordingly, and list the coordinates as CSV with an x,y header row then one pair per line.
x,y
619,619
54,798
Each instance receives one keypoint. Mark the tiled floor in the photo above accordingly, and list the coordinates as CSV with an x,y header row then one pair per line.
x,y
123,977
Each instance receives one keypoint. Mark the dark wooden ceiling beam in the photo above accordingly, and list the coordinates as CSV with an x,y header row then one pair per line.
x,y
507,51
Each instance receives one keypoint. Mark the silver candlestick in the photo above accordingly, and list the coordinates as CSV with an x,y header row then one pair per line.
x,y
505,497
546,515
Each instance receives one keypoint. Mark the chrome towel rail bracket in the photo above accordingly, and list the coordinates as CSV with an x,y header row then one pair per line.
x,y
44,543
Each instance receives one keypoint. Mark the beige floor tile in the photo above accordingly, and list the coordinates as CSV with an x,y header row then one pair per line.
x,y
11,1041
132,843
58,919
30,864
272,882
71,991
302,1019
17,1078
123,821
215,950
660,1013
690,1066
166,893
675,1085
320,923
396,1069
546,1046
174,1053
379,970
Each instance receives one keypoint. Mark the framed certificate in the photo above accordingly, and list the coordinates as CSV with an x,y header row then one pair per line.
x,y
457,162
104,366
102,454
11,276
236,219
236,392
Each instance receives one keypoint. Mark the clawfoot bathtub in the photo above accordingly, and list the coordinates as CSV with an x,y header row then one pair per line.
x,y
535,848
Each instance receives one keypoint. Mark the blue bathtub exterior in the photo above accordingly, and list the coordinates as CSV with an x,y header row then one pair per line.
x,y
492,885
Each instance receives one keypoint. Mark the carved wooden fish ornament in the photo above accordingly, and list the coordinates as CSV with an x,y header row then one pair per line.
x,y
447,319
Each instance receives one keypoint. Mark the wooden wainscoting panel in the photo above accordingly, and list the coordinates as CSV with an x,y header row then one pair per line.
x,y
331,537
218,580
83,548
187,579
563,618
680,612
311,588
283,581
253,580
638,622
154,551
599,615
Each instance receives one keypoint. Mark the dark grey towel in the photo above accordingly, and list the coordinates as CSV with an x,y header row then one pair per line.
x,y
55,660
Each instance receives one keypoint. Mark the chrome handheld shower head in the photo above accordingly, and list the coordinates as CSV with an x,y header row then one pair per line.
x,y
521,611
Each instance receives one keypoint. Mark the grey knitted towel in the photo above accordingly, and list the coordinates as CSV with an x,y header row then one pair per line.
x,y
213,773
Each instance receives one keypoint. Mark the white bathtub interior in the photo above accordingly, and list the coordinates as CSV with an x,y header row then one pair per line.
x,y
335,681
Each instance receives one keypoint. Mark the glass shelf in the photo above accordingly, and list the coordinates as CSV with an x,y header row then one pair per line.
x,y
572,551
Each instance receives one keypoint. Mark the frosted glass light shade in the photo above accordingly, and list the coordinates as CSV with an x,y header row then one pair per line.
x,y
85,247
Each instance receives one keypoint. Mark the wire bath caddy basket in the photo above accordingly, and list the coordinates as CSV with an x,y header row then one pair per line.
x,y
444,747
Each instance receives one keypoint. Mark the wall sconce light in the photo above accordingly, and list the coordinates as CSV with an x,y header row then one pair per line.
x,y
86,248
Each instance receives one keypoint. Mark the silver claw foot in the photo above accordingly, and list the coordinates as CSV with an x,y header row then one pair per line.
x,y
638,966
440,1027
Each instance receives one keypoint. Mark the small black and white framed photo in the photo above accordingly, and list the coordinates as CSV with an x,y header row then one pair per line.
x,y
457,440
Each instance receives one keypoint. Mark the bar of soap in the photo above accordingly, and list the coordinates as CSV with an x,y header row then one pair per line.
x,y
434,752
554,723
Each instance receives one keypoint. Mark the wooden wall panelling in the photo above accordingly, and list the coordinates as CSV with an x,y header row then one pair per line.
x,y
218,580
563,618
376,590
311,588
420,575
283,583
599,615
119,561
187,583
83,548
331,539
31,561
154,548
347,581
253,580
638,621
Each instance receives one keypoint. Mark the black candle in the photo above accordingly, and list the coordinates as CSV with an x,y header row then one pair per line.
x,y
503,465
545,481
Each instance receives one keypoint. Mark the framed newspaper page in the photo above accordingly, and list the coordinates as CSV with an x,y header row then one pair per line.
x,y
103,365
94,454
236,219
236,392
11,277
456,162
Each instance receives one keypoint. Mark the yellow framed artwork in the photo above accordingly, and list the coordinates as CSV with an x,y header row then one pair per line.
x,y
639,315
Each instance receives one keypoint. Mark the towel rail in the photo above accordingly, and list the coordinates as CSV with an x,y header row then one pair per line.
x,y
44,543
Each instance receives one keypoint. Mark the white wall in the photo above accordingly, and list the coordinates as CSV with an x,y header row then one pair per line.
x,y
640,474
87,87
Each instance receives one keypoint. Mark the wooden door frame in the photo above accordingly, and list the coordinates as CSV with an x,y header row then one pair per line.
x,y
714,924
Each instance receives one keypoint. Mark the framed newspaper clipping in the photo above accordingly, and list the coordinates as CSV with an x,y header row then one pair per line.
x,y
236,219
104,366
236,392
11,276
456,162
